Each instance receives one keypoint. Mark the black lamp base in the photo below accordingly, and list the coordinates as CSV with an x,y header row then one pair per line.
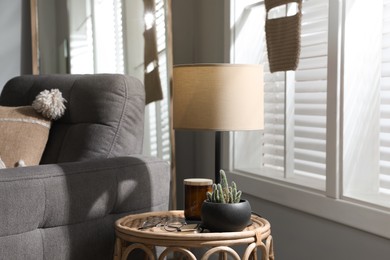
x,y
218,141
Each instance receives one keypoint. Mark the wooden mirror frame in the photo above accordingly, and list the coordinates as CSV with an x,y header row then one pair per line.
x,y
34,37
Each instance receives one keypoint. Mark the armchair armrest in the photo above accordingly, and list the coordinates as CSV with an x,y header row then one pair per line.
x,y
52,195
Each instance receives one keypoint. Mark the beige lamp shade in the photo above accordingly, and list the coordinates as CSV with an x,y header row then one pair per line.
x,y
219,97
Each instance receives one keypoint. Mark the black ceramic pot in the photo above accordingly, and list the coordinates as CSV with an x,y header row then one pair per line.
x,y
226,217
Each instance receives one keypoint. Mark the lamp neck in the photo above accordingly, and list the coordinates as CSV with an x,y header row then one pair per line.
x,y
218,138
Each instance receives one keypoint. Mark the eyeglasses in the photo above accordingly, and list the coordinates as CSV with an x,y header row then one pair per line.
x,y
174,224
170,224
151,222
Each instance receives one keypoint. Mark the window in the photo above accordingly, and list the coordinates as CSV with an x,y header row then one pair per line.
x,y
295,102
365,173
325,148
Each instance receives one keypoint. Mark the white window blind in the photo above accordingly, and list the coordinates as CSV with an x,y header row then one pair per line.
x,y
363,120
310,91
293,141
248,46
384,176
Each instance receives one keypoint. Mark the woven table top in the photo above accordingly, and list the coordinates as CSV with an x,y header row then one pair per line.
x,y
129,226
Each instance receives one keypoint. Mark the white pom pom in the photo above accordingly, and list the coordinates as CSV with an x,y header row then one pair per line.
x,y
20,163
50,104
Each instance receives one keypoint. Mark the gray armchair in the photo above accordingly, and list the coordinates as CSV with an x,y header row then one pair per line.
x,y
91,172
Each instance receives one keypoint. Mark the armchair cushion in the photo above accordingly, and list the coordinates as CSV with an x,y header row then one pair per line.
x,y
55,210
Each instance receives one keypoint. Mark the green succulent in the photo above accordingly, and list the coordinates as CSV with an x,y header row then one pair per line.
x,y
223,193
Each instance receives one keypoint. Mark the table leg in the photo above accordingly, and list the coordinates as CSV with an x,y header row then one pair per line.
x,y
118,249
254,254
270,248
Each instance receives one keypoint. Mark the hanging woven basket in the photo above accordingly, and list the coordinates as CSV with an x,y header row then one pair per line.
x,y
283,36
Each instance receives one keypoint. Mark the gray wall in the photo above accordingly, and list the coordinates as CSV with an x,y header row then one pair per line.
x,y
15,37
15,41
198,37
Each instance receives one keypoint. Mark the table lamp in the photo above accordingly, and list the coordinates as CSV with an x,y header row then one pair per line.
x,y
218,97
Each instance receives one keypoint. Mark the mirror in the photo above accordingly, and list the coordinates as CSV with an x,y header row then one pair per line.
x,y
108,36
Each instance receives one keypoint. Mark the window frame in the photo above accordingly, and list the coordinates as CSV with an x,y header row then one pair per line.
x,y
329,204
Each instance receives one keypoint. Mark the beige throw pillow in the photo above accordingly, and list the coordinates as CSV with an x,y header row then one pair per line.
x,y
23,135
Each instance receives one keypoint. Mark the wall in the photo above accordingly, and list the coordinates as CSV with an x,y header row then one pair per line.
x,y
198,37
15,41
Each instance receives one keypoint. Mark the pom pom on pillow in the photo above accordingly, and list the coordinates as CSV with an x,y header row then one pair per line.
x,y
24,130
50,104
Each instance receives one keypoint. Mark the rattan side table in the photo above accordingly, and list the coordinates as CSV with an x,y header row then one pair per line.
x,y
129,237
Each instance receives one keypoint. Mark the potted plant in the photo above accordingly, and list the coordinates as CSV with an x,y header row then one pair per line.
x,y
224,210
